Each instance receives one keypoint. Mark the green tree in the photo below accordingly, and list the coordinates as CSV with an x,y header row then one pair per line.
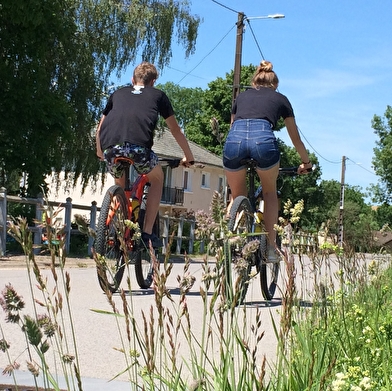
x,y
383,215
302,187
56,62
186,102
382,160
216,104
358,221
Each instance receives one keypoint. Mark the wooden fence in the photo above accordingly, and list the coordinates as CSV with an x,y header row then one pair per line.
x,y
39,211
171,227
168,224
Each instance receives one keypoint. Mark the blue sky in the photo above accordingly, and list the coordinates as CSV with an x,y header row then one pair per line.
x,y
333,59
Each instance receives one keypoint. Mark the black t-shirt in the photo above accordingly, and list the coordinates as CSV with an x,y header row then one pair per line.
x,y
263,103
132,115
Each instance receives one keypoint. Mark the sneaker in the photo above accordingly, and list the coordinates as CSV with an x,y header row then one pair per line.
x,y
273,255
155,241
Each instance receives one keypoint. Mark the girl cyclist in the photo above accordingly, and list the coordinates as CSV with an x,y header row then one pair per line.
x,y
255,114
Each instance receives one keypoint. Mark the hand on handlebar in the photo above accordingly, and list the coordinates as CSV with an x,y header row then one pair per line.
x,y
305,168
187,163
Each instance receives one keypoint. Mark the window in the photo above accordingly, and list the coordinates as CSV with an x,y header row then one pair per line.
x,y
221,183
205,180
187,182
167,175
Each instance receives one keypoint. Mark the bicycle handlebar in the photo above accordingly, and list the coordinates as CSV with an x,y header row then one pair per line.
x,y
173,163
292,171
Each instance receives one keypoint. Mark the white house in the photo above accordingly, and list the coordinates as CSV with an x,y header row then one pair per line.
x,y
185,189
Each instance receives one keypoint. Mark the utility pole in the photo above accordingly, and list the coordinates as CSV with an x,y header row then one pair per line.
x,y
238,55
341,208
238,48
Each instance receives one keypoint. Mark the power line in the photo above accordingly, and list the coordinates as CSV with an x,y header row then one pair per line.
x,y
185,73
332,162
363,168
188,73
315,151
225,6
254,37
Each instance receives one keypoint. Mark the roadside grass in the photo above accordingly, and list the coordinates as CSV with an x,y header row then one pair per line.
x,y
334,332
343,342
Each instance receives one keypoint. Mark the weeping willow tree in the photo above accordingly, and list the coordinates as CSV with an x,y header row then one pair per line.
x,y
57,57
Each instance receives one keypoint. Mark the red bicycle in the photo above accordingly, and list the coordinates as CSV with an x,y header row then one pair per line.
x,y
120,223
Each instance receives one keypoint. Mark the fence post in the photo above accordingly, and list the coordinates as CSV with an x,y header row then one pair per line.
x,y
3,221
191,237
179,235
165,234
39,207
67,220
201,250
93,219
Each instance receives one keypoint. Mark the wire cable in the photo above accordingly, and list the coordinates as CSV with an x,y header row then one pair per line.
x,y
254,37
188,73
225,6
315,151
360,165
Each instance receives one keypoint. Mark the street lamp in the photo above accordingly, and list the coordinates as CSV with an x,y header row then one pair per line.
x,y
238,48
274,16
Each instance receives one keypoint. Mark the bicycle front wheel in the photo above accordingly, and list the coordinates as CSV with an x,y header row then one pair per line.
x,y
144,267
269,272
111,260
238,267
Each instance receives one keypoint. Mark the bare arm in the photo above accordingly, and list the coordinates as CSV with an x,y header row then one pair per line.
x,y
292,129
97,141
180,138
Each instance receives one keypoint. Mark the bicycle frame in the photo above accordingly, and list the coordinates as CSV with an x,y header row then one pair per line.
x,y
134,193
253,194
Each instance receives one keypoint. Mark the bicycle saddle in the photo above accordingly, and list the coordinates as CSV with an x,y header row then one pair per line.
x,y
123,160
251,163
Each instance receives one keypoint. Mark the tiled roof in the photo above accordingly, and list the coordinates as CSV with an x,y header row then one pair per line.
x,y
166,146
382,238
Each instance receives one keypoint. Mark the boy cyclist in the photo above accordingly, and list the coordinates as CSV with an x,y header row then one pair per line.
x,y
127,129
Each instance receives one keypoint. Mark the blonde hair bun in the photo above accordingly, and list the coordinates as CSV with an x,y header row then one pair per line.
x,y
265,66
265,76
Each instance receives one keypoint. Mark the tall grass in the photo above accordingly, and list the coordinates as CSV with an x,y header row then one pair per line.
x,y
49,332
334,330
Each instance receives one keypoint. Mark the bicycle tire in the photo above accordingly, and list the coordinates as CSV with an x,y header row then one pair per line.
x,y
144,268
237,269
269,272
111,265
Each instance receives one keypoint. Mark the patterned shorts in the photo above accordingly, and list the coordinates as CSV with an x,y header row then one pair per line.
x,y
144,159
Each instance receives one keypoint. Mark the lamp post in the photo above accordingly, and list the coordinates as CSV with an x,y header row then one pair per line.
x,y
238,48
341,204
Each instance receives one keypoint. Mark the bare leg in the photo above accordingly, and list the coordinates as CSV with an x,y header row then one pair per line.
x,y
155,177
237,182
120,181
268,181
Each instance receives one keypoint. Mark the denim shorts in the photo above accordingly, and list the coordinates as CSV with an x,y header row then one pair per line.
x,y
250,139
144,159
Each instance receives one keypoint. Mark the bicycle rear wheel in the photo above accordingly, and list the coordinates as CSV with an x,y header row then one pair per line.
x,y
111,263
269,272
144,267
237,269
